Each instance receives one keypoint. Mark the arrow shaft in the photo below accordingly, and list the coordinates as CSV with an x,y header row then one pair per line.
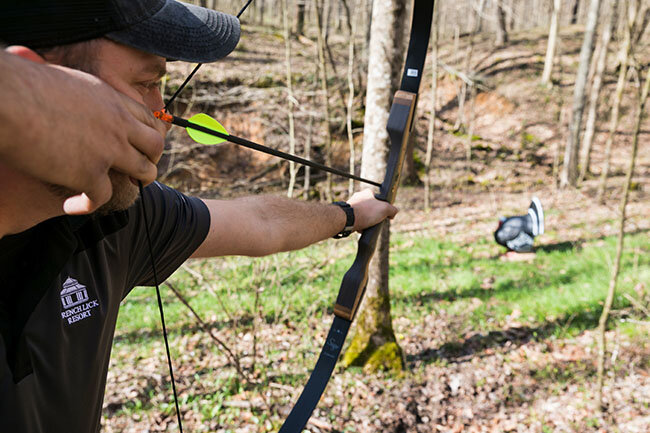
x,y
258,147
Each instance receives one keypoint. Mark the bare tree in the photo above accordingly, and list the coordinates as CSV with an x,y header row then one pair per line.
x,y
300,17
352,30
552,42
462,95
434,98
624,55
643,25
574,12
569,175
326,94
293,167
374,344
594,96
602,322
307,154
502,31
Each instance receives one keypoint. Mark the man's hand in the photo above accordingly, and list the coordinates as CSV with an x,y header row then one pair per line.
x,y
368,211
69,128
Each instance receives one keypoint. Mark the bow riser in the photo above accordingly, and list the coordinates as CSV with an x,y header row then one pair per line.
x,y
355,279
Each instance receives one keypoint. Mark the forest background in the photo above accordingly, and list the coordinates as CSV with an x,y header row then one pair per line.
x,y
519,98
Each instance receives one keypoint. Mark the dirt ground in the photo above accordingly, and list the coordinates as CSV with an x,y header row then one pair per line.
x,y
515,384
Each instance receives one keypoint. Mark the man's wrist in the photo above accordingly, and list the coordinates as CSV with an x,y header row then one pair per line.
x,y
349,219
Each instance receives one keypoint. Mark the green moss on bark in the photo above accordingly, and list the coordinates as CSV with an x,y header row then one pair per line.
x,y
373,346
386,358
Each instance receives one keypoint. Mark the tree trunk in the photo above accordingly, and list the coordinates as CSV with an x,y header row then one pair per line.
x,y
307,155
470,125
300,17
602,323
374,345
642,26
326,96
594,96
624,53
574,12
479,14
569,174
434,98
552,43
462,96
352,30
502,31
293,167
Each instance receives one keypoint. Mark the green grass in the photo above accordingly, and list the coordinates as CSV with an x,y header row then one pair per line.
x,y
559,292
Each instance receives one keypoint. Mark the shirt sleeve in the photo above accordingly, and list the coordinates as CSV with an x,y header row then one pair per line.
x,y
178,224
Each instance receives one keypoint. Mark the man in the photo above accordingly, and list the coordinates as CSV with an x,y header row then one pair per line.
x,y
62,278
53,126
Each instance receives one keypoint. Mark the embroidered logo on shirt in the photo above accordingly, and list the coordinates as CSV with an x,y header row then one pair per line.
x,y
75,301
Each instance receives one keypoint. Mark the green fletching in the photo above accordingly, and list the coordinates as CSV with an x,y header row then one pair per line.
x,y
207,122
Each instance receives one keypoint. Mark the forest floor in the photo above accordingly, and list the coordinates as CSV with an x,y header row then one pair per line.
x,y
512,375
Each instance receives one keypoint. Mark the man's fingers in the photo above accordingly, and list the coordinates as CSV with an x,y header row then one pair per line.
x,y
392,211
88,202
147,133
144,136
136,165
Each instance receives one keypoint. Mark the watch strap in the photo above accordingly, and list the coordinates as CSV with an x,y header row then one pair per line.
x,y
349,219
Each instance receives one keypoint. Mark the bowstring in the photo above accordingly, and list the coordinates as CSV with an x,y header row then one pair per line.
x,y
153,262
198,65
160,304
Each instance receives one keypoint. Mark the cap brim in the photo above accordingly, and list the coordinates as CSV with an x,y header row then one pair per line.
x,y
181,31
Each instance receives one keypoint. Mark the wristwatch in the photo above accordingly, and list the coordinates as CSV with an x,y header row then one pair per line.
x,y
349,219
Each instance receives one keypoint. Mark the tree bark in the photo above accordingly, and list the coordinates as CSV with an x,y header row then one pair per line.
x,y
502,31
602,323
642,26
300,17
352,30
574,12
594,96
624,53
326,96
552,43
569,175
293,167
374,345
462,95
434,98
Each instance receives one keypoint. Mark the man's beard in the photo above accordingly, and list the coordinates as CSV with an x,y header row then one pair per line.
x,y
125,193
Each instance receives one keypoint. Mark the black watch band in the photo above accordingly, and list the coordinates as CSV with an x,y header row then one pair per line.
x,y
349,219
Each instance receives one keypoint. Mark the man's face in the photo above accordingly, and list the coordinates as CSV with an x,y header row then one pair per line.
x,y
136,74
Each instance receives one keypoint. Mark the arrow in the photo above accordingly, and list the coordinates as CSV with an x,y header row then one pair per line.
x,y
205,130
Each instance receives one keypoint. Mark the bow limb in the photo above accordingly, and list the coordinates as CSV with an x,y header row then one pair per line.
x,y
353,286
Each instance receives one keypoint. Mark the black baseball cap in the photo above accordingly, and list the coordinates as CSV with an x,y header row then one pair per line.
x,y
167,28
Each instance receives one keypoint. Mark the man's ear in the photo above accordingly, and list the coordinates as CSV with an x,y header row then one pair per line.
x,y
25,53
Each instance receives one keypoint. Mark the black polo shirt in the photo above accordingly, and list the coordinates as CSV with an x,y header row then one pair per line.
x,y
61,284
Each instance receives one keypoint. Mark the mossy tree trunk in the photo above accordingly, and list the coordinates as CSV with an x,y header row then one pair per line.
x,y
373,345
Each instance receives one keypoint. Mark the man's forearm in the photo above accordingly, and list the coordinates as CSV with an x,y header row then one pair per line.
x,y
297,224
262,225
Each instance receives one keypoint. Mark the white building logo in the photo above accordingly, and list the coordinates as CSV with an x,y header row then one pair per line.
x,y
73,293
75,301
